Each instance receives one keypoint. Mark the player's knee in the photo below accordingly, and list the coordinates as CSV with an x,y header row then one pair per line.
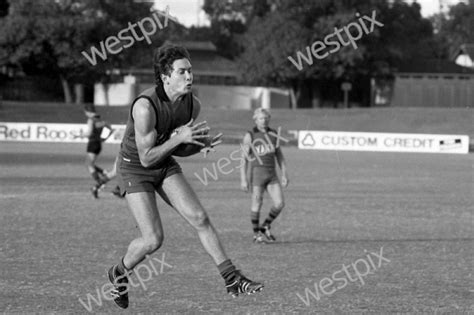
x,y
257,199
153,243
279,205
200,220
256,206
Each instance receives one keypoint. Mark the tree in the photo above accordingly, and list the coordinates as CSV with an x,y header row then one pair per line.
x,y
3,8
47,37
456,27
284,27
229,21
291,27
405,36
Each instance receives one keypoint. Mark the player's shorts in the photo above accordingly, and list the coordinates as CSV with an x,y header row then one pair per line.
x,y
262,176
94,147
132,180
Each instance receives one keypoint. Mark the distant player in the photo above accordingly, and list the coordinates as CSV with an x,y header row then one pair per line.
x,y
261,148
161,124
95,126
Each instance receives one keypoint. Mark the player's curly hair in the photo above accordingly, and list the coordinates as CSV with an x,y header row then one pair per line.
x,y
261,110
163,59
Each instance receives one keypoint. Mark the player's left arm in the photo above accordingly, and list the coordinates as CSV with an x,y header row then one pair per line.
x,y
105,124
281,162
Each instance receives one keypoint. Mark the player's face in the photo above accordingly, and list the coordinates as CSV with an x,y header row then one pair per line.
x,y
262,120
180,80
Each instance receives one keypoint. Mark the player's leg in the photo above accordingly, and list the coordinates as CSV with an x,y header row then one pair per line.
x,y
276,193
257,200
95,171
259,179
177,191
93,151
90,162
144,209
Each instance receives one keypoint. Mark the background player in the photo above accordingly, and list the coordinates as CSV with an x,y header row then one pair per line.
x,y
95,126
146,166
261,143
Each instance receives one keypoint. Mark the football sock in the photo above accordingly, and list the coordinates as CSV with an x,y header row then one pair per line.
x,y
274,212
227,270
98,170
255,219
100,180
121,267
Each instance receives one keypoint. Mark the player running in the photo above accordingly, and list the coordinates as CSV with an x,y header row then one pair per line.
x,y
261,149
95,125
161,124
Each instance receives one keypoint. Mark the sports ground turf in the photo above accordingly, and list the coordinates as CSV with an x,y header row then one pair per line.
x,y
57,241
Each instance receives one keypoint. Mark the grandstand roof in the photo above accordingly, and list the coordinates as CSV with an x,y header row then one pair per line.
x,y
433,66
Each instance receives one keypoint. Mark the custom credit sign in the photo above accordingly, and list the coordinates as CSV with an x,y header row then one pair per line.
x,y
45,132
384,142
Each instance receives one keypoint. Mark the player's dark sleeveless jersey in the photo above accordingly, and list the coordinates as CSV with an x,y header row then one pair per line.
x,y
169,116
263,145
95,133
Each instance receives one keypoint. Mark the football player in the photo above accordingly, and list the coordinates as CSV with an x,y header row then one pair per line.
x,y
262,152
146,166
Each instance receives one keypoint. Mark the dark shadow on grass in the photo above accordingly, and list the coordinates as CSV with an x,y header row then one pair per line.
x,y
284,242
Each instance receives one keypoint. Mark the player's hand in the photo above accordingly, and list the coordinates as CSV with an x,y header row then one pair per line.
x,y
190,133
109,135
244,185
285,181
209,144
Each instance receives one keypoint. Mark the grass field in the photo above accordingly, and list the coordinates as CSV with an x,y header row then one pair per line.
x,y
57,241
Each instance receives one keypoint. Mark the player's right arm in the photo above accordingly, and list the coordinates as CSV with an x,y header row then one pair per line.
x,y
90,126
146,135
244,183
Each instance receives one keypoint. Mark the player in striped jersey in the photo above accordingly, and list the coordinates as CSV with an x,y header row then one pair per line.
x,y
261,149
